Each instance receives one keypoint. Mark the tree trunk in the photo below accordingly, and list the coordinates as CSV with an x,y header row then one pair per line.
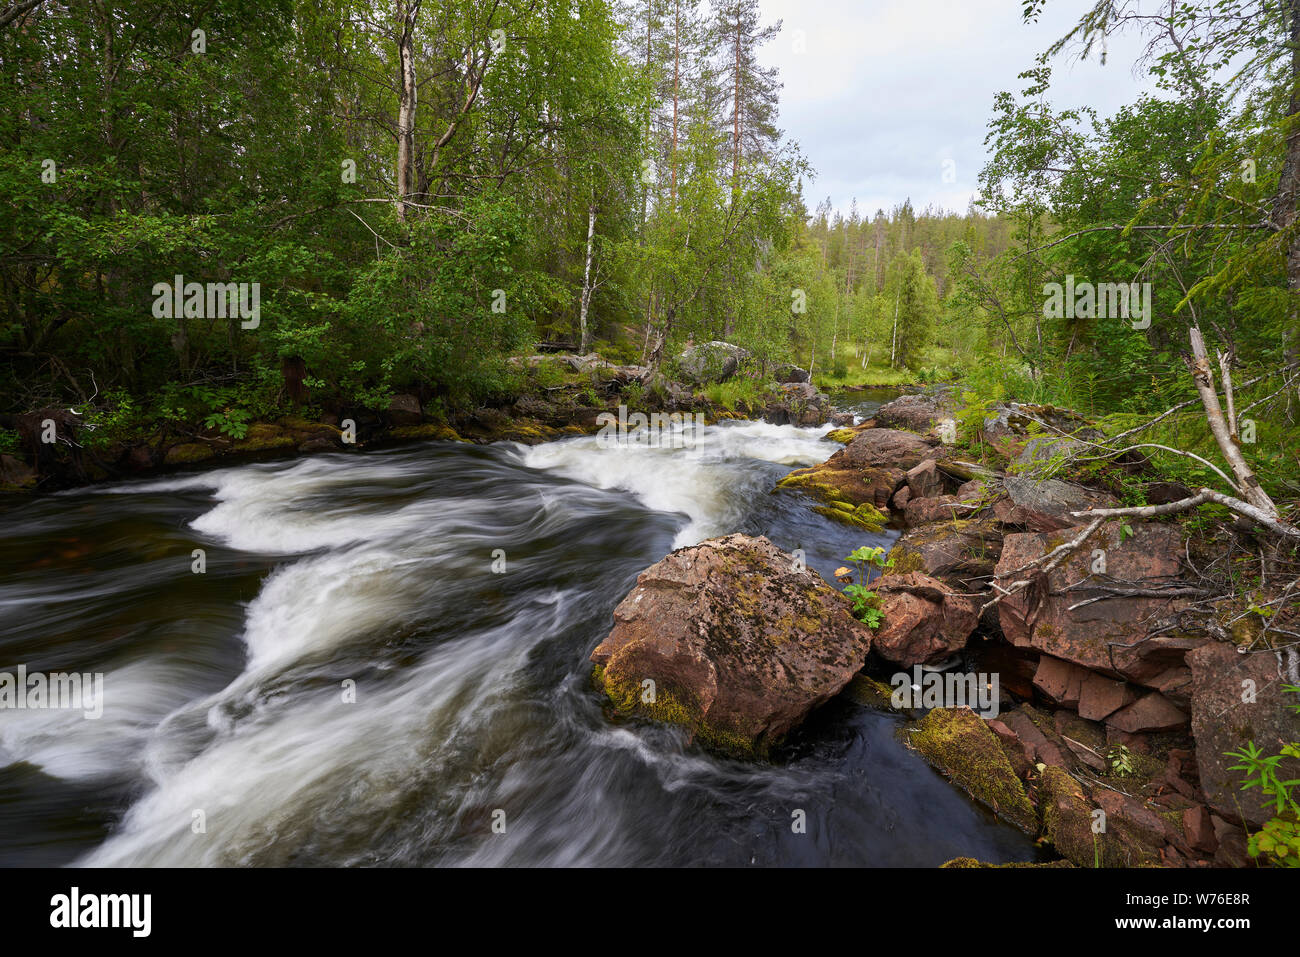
x,y
407,12
584,337
1288,187
735,118
893,345
1203,376
677,59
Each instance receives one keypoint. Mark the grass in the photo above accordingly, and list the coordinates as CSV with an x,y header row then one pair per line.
x,y
878,371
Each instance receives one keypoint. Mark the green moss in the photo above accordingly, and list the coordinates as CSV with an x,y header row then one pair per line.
x,y
842,436
905,560
866,690
865,516
671,708
961,745
189,452
1068,822
430,430
970,862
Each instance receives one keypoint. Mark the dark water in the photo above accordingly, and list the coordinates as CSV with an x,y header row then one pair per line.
x,y
225,737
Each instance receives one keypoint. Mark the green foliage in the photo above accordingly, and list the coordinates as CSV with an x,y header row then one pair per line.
x,y
866,603
1279,839
1121,760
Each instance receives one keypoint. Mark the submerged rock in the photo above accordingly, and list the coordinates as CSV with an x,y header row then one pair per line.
x,y
733,639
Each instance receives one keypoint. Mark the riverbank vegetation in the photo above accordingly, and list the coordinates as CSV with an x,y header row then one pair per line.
x,y
422,190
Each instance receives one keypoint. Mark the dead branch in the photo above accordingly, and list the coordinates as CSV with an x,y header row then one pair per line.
x,y
1201,497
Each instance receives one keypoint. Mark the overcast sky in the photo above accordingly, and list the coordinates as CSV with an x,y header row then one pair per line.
x,y
886,90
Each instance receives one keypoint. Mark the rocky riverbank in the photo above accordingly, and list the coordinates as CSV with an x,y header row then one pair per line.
x,y
1121,677
557,395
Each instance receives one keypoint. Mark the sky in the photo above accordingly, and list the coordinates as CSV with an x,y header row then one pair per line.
x,y
883,92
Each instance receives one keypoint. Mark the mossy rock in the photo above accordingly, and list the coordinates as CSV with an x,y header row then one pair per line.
x,y
865,516
429,430
962,746
189,452
958,863
842,436
673,707
905,561
867,691
1068,825
262,436
300,424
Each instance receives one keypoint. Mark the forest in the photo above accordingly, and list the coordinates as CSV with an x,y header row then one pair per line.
x,y
327,323
420,190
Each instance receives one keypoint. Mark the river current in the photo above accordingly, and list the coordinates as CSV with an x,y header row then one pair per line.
x,y
354,679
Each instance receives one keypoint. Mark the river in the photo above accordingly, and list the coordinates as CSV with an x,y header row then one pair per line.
x,y
350,682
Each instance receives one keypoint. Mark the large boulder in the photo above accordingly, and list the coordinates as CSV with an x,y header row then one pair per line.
x,y
917,413
886,448
739,640
1235,699
1112,634
1044,505
867,471
711,362
924,620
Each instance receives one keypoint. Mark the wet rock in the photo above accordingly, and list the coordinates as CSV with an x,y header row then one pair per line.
x,y
924,620
739,642
866,471
1235,699
963,747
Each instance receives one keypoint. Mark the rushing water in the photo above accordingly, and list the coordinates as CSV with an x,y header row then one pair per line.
x,y
226,737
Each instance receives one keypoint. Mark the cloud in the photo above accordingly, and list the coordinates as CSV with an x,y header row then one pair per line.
x,y
887,90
